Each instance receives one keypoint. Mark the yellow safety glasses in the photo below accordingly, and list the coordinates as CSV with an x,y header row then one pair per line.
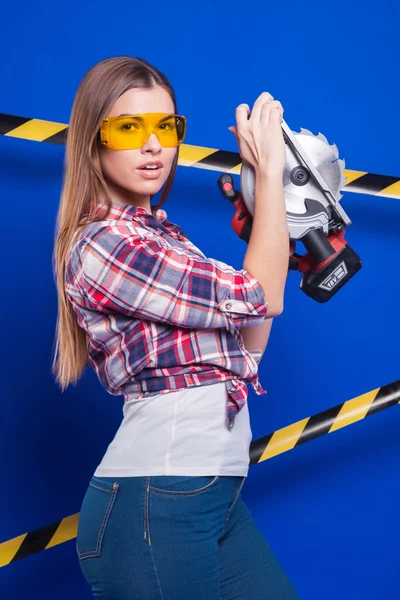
x,y
129,132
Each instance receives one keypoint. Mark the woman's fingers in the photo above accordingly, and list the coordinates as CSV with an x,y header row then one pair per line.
x,y
233,130
271,112
242,116
263,99
256,132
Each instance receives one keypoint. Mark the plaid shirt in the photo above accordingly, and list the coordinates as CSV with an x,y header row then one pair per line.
x,y
159,315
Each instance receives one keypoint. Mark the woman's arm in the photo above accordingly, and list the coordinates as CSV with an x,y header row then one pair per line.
x,y
256,338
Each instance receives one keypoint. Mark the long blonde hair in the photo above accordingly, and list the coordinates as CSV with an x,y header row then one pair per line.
x,y
84,187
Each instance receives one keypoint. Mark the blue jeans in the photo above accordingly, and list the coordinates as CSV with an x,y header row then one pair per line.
x,y
175,538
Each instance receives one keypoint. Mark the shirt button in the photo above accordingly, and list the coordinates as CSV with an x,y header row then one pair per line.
x,y
240,343
228,306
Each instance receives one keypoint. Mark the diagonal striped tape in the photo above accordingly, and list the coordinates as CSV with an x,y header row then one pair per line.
x,y
39,539
262,449
200,157
325,422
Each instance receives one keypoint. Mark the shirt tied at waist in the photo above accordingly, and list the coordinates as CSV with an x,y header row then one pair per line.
x,y
237,396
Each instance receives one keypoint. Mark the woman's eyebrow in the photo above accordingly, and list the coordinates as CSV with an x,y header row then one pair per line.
x,y
130,115
140,118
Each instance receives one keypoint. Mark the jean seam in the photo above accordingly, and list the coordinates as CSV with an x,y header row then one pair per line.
x,y
147,531
107,513
102,489
146,524
235,499
197,492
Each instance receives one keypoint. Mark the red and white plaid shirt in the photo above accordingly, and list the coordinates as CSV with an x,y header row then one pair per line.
x,y
159,314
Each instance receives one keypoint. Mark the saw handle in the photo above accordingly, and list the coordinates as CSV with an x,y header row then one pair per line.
x,y
226,185
317,245
242,219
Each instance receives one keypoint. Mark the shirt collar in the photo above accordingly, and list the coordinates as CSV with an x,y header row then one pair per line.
x,y
127,212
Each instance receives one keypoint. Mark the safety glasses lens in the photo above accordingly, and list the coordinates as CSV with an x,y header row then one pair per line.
x,y
132,131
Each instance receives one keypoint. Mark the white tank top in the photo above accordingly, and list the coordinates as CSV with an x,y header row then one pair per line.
x,y
183,432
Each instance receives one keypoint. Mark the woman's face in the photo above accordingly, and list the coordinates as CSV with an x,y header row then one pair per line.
x,y
121,168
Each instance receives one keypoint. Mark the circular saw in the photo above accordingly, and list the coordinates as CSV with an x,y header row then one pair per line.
x,y
312,180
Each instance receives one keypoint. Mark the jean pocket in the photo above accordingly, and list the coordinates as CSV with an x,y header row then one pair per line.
x,y
95,513
181,485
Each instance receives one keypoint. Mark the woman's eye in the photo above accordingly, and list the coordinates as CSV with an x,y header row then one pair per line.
x,y
167,126
128,126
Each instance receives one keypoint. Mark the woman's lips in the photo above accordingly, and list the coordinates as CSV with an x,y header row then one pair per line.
x,y
150,173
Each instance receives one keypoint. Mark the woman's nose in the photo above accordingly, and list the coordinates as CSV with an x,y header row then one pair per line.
x,y
152,143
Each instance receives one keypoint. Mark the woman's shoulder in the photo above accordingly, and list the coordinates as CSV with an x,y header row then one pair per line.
x,y
112,232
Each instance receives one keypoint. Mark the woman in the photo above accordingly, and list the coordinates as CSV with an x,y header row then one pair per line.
x,y
176,333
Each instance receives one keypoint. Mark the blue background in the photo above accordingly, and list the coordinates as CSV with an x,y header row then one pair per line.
x,y
329,509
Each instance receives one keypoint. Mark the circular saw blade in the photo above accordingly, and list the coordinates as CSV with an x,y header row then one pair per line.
x,y
303,215
325,158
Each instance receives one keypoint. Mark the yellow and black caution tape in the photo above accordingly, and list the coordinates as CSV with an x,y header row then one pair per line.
x,y
262,449
38,130
327,421
40,539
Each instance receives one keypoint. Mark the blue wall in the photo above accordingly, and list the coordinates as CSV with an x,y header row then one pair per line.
x,y
329,509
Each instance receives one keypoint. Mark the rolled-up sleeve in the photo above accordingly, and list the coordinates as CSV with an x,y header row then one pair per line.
x,y
148,278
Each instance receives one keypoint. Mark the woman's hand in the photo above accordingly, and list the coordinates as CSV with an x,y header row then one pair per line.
x,y
259,134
